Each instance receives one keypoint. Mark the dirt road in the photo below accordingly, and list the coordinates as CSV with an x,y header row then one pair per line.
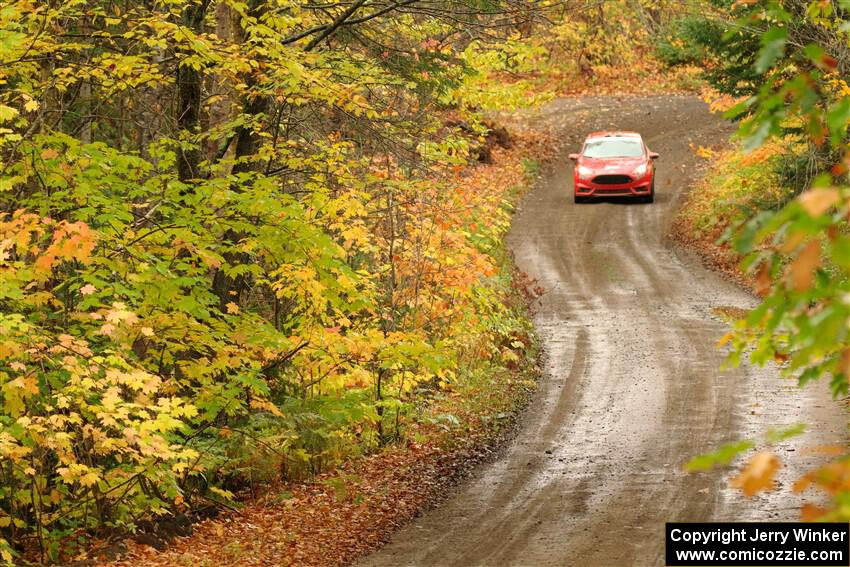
x,y
632,388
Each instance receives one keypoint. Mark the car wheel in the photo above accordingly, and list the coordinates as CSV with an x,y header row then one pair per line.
x,y
651,197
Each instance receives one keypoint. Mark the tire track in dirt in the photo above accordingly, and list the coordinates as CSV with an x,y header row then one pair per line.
x,y
632,385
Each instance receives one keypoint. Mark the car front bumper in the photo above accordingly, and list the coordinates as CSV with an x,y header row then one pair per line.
x,y
637,188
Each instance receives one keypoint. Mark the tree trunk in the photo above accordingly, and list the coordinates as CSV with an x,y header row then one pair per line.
x,y
189,83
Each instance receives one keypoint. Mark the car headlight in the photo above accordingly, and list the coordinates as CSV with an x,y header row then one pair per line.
x,y
584,172
639,170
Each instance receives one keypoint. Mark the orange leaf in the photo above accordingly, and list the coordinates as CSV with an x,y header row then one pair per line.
x,y
811,513
818,201
834,450
758,474
828,62
724,339
803,482
804,265
763,281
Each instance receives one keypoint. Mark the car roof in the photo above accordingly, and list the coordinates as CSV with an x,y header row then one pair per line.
x,y
613,134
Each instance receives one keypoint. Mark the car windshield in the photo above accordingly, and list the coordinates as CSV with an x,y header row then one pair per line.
x,y
613,148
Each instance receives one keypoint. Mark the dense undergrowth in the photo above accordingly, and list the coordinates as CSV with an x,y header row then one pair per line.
x,y
333,517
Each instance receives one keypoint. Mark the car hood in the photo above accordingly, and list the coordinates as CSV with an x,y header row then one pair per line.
x,y
616,166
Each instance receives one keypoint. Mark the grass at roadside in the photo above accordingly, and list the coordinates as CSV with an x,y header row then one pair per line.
x,y
735,186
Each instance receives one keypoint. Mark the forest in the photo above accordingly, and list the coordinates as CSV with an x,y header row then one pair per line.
x,y
247,245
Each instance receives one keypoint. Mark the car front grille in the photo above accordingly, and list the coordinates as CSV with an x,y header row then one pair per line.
x,y
612,179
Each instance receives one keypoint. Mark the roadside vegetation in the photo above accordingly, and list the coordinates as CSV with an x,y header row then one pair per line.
x,y
774,208
736,185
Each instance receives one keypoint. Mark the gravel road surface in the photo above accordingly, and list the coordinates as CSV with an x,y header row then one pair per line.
x,y
632,386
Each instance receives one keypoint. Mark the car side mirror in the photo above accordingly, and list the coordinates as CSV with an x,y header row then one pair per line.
x,y
654,155
574,157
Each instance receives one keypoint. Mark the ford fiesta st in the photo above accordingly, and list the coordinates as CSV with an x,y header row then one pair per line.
x,y
614,164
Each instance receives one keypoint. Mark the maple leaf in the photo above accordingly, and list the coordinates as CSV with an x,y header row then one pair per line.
x,y
803,267
89,479
88,289
758,474
232,308
817,201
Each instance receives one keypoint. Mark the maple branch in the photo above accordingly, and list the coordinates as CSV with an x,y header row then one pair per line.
x,y
285,357
326,30
333,26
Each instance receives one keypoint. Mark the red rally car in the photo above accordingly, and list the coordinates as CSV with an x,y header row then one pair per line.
x,y
614,164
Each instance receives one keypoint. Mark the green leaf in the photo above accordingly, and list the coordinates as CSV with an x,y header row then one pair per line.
x,y
837,119
773,47
777,435
722,456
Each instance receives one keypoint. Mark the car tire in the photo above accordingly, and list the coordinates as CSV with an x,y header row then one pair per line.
x,y
651,197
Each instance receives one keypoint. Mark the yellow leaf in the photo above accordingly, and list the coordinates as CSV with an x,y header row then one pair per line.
x,y
758,474
147,331
89,479
232,308
259,403
31,105
208,258
7,113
